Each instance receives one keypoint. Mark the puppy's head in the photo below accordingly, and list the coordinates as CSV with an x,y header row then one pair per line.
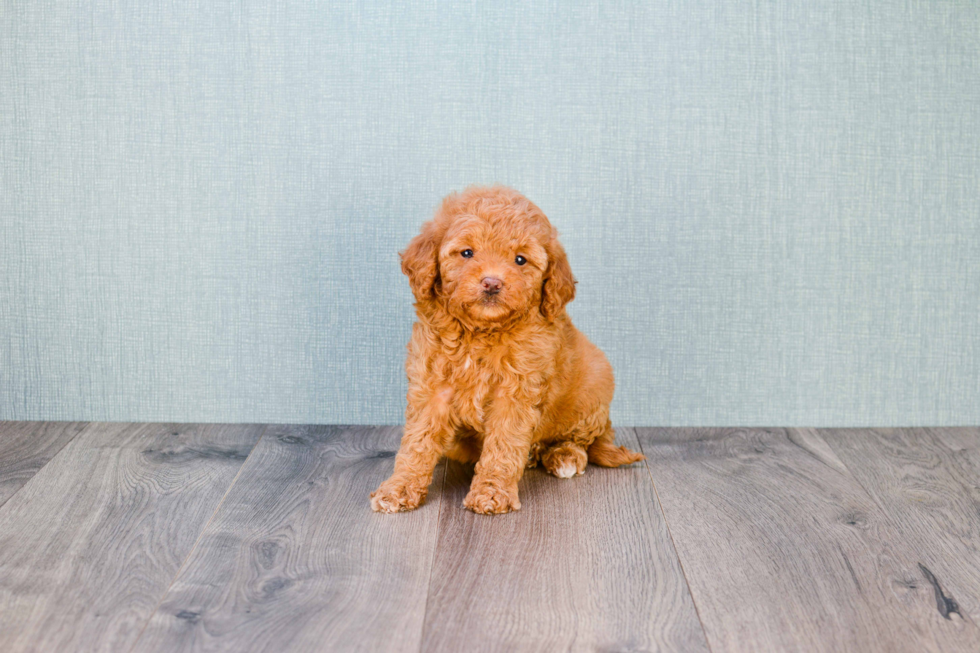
x,y
489,256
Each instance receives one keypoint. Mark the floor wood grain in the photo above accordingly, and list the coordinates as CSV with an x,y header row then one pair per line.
x,y
585,565
784,550
149,537
928,482
90,544
295,560
25,447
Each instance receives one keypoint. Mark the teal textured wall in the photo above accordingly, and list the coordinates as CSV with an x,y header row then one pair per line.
x,y
773,207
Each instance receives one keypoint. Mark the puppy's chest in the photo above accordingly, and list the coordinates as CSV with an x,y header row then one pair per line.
x,y
478,374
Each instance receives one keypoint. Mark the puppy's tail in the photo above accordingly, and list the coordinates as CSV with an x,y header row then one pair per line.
x,y
604,452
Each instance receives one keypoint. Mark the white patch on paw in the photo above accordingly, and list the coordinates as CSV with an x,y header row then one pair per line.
x,y
566,471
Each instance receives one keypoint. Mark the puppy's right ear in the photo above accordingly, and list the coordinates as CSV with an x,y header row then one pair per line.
x,y
420,261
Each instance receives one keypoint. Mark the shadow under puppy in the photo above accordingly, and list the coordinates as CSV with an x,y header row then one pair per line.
x,y
497,373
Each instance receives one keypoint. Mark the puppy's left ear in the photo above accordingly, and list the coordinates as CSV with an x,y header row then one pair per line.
x,y
420,261
558,287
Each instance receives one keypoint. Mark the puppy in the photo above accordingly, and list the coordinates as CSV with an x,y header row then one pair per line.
x,y
497,373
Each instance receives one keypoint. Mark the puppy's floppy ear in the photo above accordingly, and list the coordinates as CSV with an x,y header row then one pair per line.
x,y
558,287
420,261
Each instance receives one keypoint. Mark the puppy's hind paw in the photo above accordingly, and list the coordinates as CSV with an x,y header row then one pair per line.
x,y
567,470
394,497
487,499
565,460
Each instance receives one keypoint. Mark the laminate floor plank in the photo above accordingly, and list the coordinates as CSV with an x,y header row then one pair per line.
x,y
586,564
90,544
785,550
928,482
295,560
25,447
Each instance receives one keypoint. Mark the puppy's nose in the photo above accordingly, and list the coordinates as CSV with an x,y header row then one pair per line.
x,y
491,285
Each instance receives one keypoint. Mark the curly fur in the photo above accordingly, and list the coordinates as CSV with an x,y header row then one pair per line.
x,y
502,380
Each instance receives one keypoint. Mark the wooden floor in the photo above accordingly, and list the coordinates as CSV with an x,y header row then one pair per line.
x,y
181,537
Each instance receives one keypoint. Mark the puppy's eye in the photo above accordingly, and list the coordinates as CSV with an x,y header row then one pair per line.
x,y
467,253
520,260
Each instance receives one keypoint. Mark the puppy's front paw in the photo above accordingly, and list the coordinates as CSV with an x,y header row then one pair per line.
x,y
489,499
394,496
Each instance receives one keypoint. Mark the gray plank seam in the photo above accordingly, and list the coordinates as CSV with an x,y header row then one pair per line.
x,y
873,495
869,493
888,566
670,532
516,599
163,595
84,426
309,565
432,557
943,601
